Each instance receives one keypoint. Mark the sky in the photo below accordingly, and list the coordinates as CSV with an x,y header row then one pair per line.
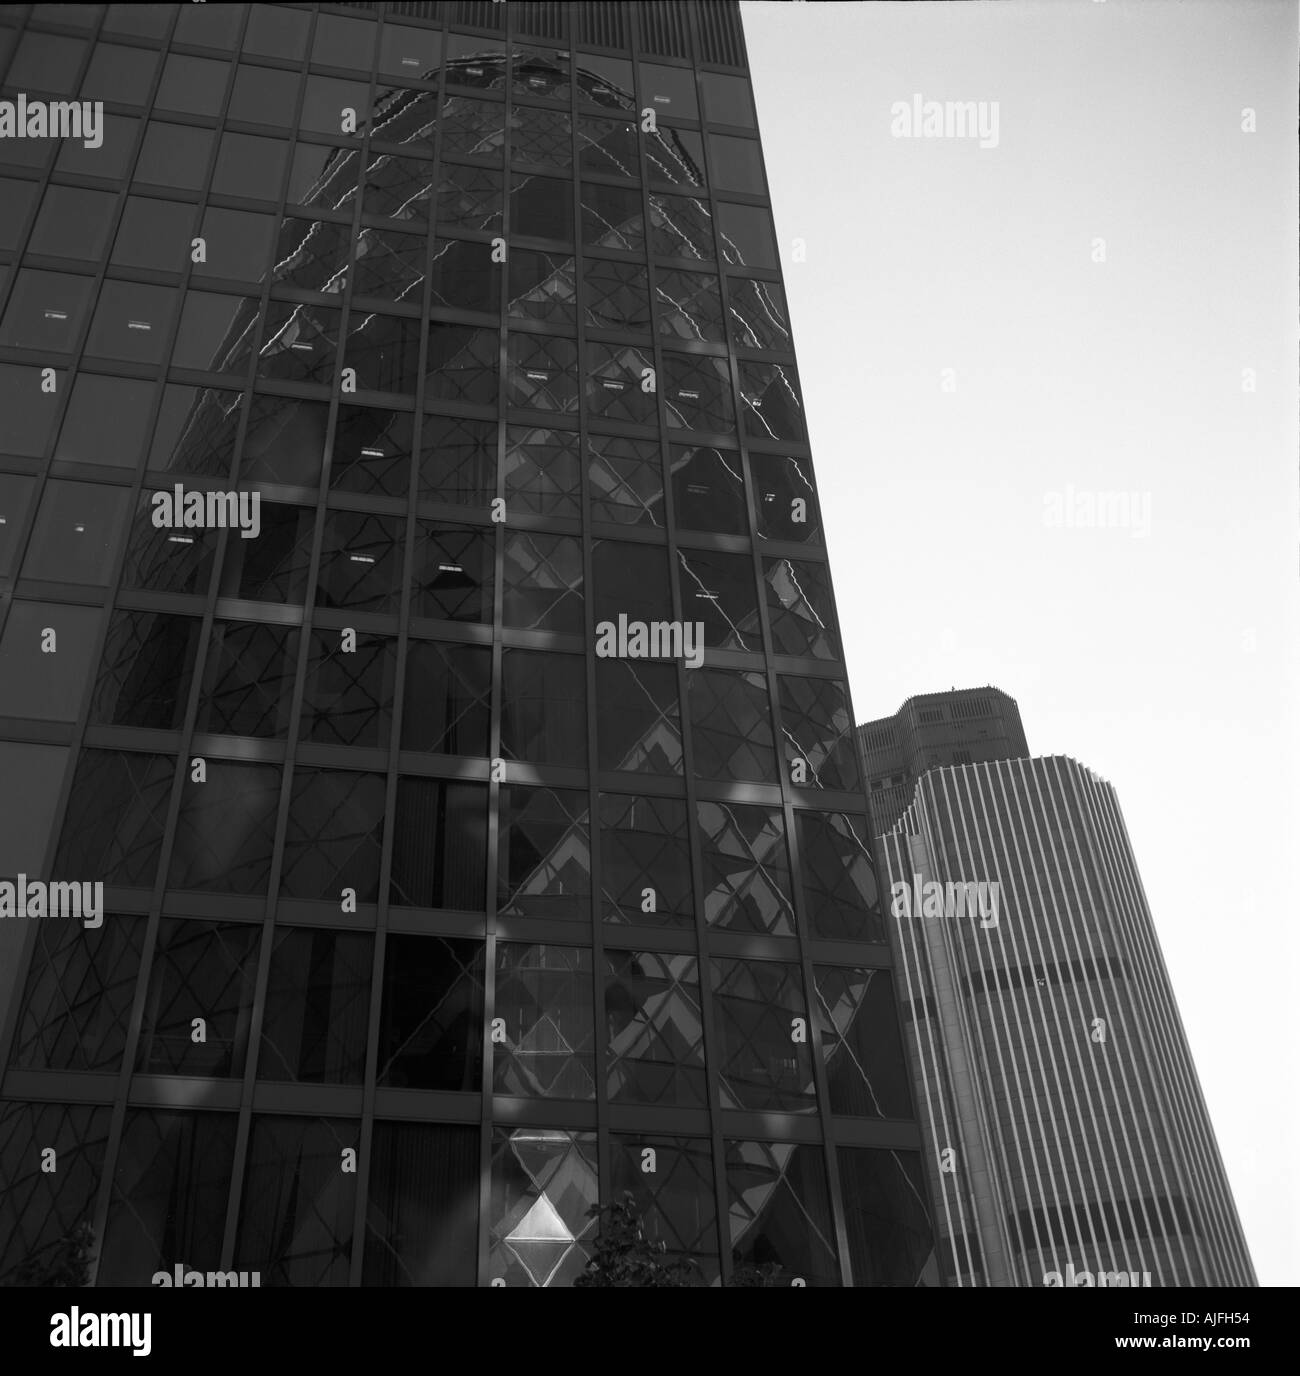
x,y
1051,394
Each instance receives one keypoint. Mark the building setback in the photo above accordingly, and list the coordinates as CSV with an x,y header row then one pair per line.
x,y
429,922
1065,1124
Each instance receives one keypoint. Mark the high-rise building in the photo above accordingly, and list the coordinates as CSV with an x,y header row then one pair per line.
x,y
1068,1141
963,726
390,393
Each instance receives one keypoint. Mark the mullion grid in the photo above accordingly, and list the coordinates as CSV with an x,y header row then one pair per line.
x,y
665,437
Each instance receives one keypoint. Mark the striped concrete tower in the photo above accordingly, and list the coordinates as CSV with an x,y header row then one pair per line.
x,y
1069,1139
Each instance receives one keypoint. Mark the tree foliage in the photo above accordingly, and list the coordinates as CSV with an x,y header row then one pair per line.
x,y
63,1263
624,1256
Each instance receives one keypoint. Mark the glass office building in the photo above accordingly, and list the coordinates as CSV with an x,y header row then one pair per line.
x,y
434,915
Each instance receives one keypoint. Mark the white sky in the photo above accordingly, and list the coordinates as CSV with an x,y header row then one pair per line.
x,y
1167,662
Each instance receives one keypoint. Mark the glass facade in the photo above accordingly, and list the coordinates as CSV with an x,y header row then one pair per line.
x,y
429,924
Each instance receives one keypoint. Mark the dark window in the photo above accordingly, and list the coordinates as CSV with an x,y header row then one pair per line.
x,y
728,100
77,534
297,1208
542,582
839,879
272,568
446,708
15,498
79,992
453,572
625,481
372,451
264,97
731,725
681,227
131,322
620,382
645,868
35,683
655,1029
746,868
45,310
780,1214
431,1027
612,218
341,42
422,1214
439,845
317,1007
800,608
203,970
114,825
119,74
891,1236
248,679
192,85
215,333
154,234
361,561
250,166
817,733
541,472
284,442
608,147
709,490
174,155
772,406
718,590
630,580
677,1199
461,363
226,828
144,676
408,52
334,835
16,199
458,460
544,708
544,856
276,32
762,1020
238,244
616,296
544,995
857,1027
348,695
737,164
638,717
166,1158
675,157
332,106
747,236
785,498
759,319
541,207
72,223
542,373
687,305
697,393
